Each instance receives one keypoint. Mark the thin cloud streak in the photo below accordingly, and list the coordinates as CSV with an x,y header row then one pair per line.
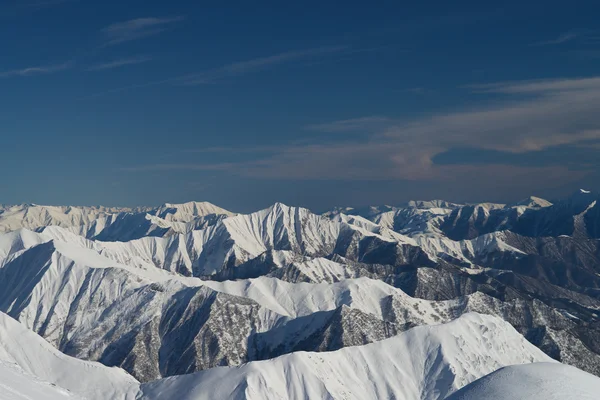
x,y
175,167
354,124
138,28
25,7
231,70
44,3
554,113
120,63
563,38
32,71
236,150
244,67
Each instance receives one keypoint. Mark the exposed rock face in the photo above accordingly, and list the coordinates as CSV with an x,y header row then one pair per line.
x,y
194,287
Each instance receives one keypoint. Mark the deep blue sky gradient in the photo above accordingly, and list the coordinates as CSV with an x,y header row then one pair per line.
x,y
209,96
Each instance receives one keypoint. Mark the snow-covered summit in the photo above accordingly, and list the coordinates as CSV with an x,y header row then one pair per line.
x,y
32,216
536,381
532,202
187,212
185,288
422,363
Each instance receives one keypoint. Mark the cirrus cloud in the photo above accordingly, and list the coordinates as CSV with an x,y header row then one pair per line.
x,y
138,28
529,116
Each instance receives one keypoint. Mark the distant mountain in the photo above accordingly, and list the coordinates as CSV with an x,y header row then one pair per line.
x,y
186,288
113,223
532,202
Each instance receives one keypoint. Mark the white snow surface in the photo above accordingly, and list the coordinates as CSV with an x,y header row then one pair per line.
x,y
536,381
422,363
91,221
16,384
186,212
30,359
51,268
244,237
426,362
33,216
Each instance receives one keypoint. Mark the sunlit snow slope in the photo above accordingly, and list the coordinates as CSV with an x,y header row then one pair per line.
x,y
422,363
37,367
538,381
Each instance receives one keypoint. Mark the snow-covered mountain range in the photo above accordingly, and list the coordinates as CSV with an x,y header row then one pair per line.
x,y
408,302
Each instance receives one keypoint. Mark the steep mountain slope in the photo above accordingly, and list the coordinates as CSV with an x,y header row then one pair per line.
x,y
575,216
72,290
537,381
222,251
113,223
33,216
187,212
94,308
184,288
423,363
41,368
166,220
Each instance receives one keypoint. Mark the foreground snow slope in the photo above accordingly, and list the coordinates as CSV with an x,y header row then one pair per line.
x,y
537,381
16,384
422,363
155,324
24,354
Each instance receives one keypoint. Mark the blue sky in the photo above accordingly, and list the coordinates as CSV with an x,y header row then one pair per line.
x,y
137,102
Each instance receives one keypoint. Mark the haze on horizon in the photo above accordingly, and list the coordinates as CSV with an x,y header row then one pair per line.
x,y
145,102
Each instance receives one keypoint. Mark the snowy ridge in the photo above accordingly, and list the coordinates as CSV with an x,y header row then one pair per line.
x,y
124,273
31,355
113,223
423,363
74,297
32,216
184,288
187,212
537,381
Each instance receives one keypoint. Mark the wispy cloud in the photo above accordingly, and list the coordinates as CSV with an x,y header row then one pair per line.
x,y
43,3
532,116
233,69
420,91
368,124
120,63
137,29
563,38
257,64
24,7
236,150
588,54
182,166
32,71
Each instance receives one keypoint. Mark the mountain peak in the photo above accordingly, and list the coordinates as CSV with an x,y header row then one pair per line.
x,y
424,204
186,212
532,202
